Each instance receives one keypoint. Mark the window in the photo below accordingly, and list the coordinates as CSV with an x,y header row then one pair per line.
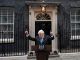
x,y
75,23
6,25
43,16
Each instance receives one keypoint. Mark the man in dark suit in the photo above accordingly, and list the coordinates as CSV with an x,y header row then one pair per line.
x,y
41,40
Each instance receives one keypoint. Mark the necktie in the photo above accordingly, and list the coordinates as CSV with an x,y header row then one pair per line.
x,y
41,41
41,46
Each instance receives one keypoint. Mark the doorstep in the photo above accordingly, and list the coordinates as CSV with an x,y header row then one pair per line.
x,y
34,57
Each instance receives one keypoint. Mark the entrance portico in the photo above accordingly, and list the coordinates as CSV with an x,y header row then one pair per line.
x,y
34,23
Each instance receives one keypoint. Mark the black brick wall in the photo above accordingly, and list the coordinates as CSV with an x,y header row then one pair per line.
x,y
22,20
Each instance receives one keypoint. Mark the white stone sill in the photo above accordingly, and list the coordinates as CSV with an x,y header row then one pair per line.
x,y
34,57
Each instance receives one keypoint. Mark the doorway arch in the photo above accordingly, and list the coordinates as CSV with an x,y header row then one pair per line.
x,y
51,13
43,16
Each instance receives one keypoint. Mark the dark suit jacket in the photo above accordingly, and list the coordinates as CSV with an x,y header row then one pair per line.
x,y
47,39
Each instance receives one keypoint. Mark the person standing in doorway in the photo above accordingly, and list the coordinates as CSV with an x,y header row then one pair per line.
x,y
41,40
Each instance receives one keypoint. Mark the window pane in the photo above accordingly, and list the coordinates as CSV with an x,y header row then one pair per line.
x,y
0,19
4,19
73,25
73,11
10,12
4,11
73,32
4,28
4,35
7,35
78,18
10,19
78,12
0,34
78,25
0,27
72,18
10,27
43,16
10,34
0,11
77,32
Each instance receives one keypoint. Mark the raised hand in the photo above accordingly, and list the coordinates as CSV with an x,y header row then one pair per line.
x,y
51,33
27,34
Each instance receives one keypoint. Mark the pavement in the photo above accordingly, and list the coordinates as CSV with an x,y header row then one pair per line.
x,y
62,56
14,58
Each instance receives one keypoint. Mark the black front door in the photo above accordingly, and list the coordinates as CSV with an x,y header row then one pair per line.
x,y
44,25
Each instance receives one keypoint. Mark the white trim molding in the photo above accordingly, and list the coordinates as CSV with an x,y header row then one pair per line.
x,y
32,18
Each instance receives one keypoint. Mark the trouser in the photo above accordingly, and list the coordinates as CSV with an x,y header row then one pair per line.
x,y
42,55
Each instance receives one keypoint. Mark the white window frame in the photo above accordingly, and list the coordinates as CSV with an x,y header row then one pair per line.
x,y
7,40
74,37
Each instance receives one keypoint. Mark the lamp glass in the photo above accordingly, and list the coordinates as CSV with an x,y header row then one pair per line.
x,y
43,9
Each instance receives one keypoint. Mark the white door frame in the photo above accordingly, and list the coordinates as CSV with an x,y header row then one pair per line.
x,y
32,19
